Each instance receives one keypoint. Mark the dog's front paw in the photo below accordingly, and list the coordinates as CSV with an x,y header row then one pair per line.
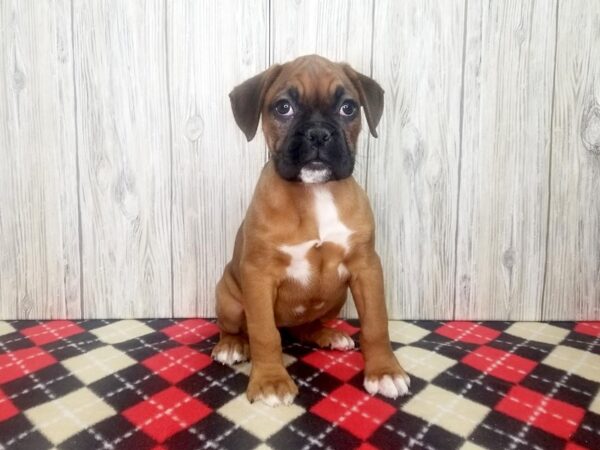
x,y
390,380
388,385
271,385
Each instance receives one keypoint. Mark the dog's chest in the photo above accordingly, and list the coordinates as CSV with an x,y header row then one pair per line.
x,y
330,230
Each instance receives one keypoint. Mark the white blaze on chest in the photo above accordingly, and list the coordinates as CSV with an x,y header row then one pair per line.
x,y
299,310
299,268
330,228
342,271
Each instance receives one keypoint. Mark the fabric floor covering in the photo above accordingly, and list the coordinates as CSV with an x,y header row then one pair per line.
x,y
151,384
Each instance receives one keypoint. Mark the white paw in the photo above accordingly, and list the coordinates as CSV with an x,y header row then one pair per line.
x,y
229,357
388,386
275,400
342,342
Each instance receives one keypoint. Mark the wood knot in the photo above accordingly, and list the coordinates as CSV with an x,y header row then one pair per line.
x,y
63,49
26,306
464,286
124,194
412,147
194,128
590,129
521,33
508,258
18,80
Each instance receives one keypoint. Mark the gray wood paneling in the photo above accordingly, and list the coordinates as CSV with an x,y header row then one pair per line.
x,y
572,288
124,157
123,177
39,241
507,105
413,166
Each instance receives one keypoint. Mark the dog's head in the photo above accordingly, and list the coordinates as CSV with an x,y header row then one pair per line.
x,y
310,115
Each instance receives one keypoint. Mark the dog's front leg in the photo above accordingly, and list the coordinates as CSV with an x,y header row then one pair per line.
x,y
269,381
383,373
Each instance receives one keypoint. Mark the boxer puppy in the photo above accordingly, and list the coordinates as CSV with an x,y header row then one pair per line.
x,y
308,232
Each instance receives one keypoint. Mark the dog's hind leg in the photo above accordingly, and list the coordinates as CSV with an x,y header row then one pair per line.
x,y
233,344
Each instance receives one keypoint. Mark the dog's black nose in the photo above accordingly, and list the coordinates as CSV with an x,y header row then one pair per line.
x,y
317,136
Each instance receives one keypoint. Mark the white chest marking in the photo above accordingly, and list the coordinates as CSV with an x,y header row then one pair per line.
x,y
342,271
331,228
299,267
299,310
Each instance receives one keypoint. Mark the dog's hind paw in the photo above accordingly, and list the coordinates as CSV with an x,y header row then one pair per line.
x,y
342,342
334,339
231,349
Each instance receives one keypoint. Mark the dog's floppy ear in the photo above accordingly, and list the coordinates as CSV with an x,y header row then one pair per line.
x,y
371,96
247,100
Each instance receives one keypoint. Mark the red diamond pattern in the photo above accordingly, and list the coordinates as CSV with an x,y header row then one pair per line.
x,y
549,414
191,331
342,365
166,413
591,328
7,409
52,331
571,446
177,363
162,390
366,446
501,364
469,332
354,411
19,363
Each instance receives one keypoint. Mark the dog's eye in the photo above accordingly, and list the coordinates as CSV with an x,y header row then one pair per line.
x,y
284,108
348,108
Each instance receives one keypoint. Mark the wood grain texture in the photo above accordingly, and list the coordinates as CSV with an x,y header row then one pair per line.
x,y
339,30
123,177
124,148
505,159
39,243
572,288
213,46
413,166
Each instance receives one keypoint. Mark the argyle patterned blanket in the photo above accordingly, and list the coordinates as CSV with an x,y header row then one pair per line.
x,y
151,384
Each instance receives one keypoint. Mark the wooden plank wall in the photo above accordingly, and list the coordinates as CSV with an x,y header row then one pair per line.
x,y
573,264
39,222
123,177
413,167
505,159
123,144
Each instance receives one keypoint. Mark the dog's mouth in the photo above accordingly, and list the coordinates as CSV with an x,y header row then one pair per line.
x,y
315,172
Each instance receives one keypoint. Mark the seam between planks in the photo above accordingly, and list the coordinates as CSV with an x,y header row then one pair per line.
x,y
369,137
549,203
170,117
460,148
78,170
